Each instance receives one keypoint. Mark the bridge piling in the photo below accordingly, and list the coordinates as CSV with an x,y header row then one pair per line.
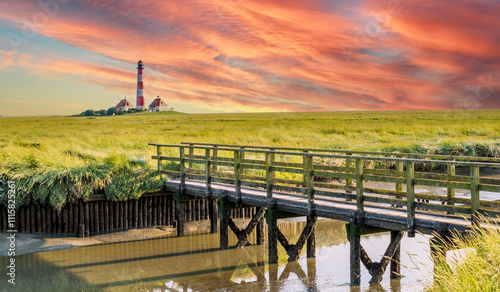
x,y
359,255
212,210
180,207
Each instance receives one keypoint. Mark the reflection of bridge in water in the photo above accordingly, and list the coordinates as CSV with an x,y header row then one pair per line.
x,y
290,182
177,263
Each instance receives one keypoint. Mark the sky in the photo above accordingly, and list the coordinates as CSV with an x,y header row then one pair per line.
x,y
60,57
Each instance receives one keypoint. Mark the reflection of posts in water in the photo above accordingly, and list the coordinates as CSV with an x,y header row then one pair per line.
x,y
358,254
212,212
239,257
311,271
308,280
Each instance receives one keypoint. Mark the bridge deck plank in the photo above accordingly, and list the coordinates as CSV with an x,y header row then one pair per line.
x,y
376,215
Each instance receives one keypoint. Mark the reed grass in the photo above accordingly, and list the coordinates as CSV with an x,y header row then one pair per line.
x,y
478,267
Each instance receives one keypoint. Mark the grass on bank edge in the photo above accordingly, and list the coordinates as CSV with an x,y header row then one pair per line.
x,y
479,267
118,177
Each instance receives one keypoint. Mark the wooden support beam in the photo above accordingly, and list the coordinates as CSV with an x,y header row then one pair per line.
x,y
224,223
212,213
376,269
311,240
260,232
283,240
243,234
396,257
355,253
272,238
180,214
386,259
293,250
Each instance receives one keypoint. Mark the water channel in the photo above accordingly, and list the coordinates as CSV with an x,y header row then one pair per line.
x,y
194,263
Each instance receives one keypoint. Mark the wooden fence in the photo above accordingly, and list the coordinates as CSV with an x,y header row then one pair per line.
x,y
97,215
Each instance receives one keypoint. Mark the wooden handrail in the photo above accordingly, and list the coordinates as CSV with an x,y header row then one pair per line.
x,y
230,170
348,152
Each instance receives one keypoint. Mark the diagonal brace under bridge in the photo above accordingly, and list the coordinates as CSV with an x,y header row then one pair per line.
x,y
376,269
243,234
226,223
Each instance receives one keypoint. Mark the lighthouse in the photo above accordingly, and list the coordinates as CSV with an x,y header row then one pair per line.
x,y
140,87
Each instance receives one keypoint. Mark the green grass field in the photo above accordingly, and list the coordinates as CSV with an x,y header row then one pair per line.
x,y
56,158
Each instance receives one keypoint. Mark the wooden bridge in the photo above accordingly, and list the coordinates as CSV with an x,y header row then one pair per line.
x,y
373,191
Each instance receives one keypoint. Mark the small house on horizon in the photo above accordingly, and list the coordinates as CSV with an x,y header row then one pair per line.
x,y
124,105
158,105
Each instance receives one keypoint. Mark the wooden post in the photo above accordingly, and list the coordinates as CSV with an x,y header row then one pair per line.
x,y
214,153
180,215
311,240
242,153
360,205
208,175
399,186
474,194
310,184
81,225
237,175
224,223
348,164
450,169
269,157
304,162
396,258
410,196
260,232
182,170
272,235
96,217
355,251
212,211
158,153
87,219
191,152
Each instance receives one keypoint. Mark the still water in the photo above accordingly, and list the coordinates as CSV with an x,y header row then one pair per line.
x,y
194,263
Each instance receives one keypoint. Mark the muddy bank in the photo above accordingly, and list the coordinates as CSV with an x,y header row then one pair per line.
x,y
31,243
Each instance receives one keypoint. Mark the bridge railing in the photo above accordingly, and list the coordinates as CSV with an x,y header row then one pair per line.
x,y
313,174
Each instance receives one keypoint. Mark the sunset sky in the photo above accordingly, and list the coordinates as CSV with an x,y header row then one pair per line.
x,y
60,57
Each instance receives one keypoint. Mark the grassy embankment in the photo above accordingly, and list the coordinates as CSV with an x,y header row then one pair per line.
x,y
477,269
55,159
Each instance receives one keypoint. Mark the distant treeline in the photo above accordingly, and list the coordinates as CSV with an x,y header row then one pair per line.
x,y
110,112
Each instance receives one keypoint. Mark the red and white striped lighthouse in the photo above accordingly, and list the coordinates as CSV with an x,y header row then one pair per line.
x,y
140,87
